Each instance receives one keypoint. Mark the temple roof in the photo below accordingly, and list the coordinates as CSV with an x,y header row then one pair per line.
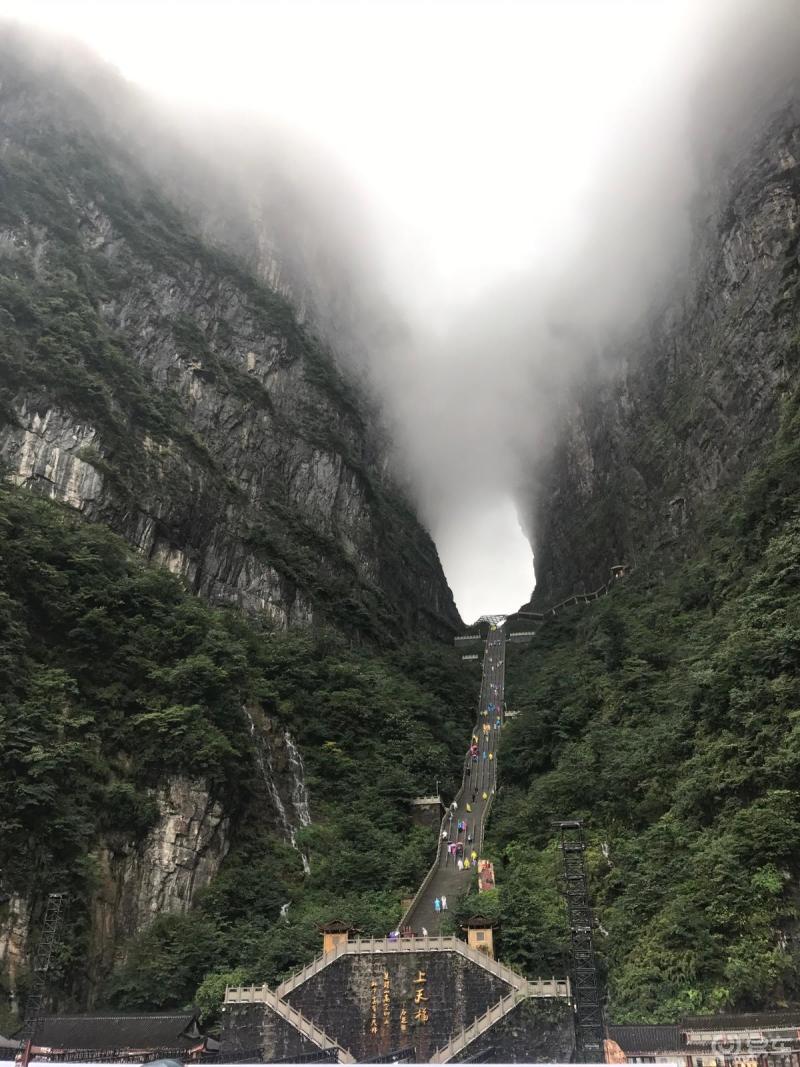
x,y
113,1030
646,1038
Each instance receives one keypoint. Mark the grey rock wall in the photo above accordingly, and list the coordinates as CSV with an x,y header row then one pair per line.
x,y
152,382
249,1028
644,450
138,881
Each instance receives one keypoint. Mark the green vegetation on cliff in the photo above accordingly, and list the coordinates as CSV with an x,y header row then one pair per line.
x,y
668,716
113,678
216,420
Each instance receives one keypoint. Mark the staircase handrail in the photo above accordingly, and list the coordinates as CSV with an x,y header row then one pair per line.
x,y
478,1026
575,598
539,987
431,873
264,995
496,773
432,870
316,965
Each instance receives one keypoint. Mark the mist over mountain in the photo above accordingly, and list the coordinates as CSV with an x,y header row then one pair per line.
x,y
452,375
257,376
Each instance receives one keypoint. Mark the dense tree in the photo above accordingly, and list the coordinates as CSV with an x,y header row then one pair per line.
x,y
113,678
667,717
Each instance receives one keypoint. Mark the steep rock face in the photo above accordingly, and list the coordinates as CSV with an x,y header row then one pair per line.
x,y
138,880
14,931
179,856
152,383
643,450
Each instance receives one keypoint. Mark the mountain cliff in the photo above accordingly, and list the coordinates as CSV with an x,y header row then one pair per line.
x,y
644,450
189,769
186,774
153,383
665,714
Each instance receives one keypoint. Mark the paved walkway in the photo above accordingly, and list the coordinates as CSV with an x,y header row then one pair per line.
x,y
479,780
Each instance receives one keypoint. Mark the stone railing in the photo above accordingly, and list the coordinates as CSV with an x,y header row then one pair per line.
x,y
478,842
576,598
542,987
496,771
469,1033
440,844
262,994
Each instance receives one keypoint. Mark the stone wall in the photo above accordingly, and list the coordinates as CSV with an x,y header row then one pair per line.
x,y
535,1031
250,1027
339,1000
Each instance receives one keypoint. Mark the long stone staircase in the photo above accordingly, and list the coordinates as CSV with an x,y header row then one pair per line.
x,y
479,778
443,878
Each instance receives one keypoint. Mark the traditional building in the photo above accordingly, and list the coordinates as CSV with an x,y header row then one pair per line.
x,y
648,1044
762,1039
336,933
769,1038
110,1035
480,934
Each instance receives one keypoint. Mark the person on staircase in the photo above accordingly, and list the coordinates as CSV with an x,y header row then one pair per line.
x,y
444,902
437,905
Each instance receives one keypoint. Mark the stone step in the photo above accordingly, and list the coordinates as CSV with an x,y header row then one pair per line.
x,y
478,1027
264,995
362,946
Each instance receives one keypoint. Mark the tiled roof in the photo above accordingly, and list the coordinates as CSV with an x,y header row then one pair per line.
x,y
111,1030
760,1020
646,1038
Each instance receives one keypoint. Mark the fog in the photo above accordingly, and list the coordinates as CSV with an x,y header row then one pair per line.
x,y
473,201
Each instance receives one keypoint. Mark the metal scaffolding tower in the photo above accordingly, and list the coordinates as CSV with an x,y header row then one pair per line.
x,y
41,965
589,1025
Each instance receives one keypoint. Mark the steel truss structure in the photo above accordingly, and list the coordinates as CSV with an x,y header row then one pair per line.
x,y
589,1023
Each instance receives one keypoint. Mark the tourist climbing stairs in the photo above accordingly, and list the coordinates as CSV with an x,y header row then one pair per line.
x,y
463,826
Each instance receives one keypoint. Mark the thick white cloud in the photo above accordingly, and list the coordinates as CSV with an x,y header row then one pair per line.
x,y
526,165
